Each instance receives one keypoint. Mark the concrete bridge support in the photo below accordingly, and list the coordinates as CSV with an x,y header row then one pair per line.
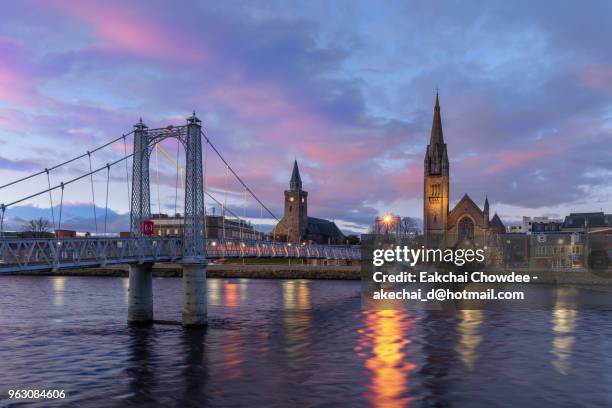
x,y
194,293
140,300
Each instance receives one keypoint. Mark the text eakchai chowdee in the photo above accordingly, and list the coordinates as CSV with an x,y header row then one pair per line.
x,y
427,255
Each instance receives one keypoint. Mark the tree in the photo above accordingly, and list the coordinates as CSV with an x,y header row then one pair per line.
x,y
38,227
408,227
389,224
352,240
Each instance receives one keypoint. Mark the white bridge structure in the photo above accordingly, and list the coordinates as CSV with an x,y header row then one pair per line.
x,y
140,251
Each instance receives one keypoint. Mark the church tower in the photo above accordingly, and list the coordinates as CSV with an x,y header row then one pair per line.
x,y
296,207
436,180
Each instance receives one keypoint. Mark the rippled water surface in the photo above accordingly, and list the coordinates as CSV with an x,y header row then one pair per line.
x,y
293,343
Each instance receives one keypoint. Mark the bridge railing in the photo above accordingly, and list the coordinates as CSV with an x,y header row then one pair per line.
x,y
33,254
235,248
52,253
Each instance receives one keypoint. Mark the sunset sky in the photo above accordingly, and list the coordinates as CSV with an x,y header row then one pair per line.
x,y
346,88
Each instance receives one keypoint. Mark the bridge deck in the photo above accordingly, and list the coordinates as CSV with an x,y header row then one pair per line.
x,y
44,254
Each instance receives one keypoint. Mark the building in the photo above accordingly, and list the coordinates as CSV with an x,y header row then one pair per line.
x,y
516,250
557,250
217,227
591,221
580,241
466,224
296,225
528,222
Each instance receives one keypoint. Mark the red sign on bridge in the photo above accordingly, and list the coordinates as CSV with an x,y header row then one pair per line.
x,y
147,227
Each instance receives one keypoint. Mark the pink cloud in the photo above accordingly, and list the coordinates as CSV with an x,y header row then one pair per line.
x,y
335,154
599,78
513,159
17,82
255,100
124,28
409,181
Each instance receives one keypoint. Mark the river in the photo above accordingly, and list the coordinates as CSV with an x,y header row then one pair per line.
x,y
295,343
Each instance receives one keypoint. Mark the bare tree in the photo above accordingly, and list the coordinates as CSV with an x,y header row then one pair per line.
x,y
408,227
38,227
389,224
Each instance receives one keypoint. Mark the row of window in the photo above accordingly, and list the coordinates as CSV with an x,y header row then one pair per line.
x,y
544,250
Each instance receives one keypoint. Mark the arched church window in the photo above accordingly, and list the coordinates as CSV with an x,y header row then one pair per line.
x,y
466,229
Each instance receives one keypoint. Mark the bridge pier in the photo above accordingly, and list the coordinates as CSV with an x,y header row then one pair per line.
x,y
140,300
194,293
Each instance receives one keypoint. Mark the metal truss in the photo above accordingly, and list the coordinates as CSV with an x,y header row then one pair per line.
x,y
23,255
190,136
53,254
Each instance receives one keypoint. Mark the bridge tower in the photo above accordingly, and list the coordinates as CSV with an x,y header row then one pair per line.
x,y
193,262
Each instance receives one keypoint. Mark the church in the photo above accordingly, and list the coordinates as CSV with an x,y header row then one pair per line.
x,y
296,226
466,225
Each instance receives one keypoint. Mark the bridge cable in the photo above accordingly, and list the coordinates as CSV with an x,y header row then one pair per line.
x,y
82,176
259,236
93,195
127,177
204,189
2,209
178,145
63,163
169,158
244,213
238,177
106,204
59,224
157,176
50,197
223,207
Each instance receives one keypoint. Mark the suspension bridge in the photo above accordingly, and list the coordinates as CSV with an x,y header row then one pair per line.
x,y
140,249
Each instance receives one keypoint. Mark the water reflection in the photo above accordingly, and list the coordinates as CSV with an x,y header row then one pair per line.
x,y
469,340
244,285
140,365
126,290
195,372
230,294
564,325
383,340
297,320
214,291
233,346
440,329
58,289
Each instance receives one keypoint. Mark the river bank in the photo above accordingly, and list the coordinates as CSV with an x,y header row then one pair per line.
x,y
301,271
257,271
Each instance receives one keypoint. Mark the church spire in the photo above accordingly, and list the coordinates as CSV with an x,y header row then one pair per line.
x,y
436,157
436,126
295,184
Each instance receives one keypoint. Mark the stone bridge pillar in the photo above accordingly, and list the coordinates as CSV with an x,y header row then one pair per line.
x,y
194,294
140,297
